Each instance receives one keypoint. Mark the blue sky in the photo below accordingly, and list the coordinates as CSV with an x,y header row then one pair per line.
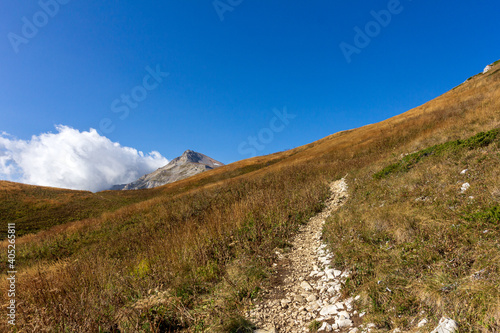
x,y
225,77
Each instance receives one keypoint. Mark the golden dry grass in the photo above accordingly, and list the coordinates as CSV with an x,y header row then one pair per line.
x,y
433,246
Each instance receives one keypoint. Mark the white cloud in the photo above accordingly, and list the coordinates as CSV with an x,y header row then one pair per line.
x,y
73,159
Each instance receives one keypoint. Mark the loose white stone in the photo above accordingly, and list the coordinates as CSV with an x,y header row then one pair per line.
x,y
306,286
325,327
314,305
343,322
339,305
344,314
422,323
328,310
311,298
465,187
446,325
464,171
334,299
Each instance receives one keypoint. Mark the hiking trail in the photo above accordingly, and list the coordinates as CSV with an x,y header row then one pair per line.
x,y
305,287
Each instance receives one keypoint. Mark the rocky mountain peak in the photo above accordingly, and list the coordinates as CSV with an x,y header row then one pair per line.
x,y
188,164
190,156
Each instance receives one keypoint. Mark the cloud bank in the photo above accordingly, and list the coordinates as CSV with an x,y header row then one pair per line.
x,y
73,159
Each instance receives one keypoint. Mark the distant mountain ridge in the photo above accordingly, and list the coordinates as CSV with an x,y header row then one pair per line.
x,y
188,164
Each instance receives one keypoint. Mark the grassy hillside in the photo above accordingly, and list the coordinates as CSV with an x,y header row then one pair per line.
x,y
190,255
35,208
417,239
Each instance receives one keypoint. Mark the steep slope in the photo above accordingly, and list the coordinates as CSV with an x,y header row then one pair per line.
x,y
197,252
190,163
